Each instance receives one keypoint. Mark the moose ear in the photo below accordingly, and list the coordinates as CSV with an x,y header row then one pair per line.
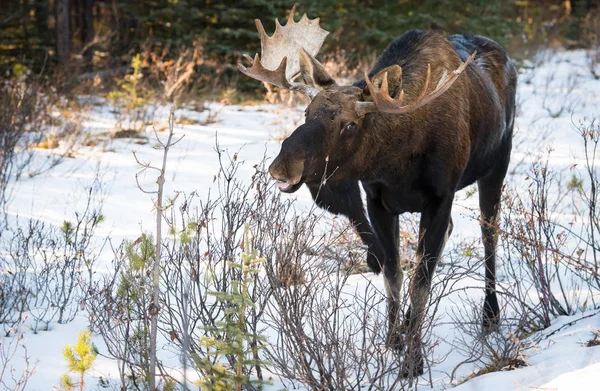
x,y
313,72
394,77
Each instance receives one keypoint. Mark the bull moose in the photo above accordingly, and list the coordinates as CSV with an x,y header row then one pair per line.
x,y
413,134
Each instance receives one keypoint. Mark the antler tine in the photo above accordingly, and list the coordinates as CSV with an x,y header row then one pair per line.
x,y
442,79
292,13
385,90
259,72
262,34
385,103
427,79
277,77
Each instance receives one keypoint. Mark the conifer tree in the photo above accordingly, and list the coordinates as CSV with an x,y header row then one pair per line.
x,y
80,359
230,337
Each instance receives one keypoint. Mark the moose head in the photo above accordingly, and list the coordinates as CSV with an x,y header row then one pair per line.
x,y
337,117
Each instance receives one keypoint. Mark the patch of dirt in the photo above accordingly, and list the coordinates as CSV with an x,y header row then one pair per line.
x,y
127,133
595,341
187,121
506,365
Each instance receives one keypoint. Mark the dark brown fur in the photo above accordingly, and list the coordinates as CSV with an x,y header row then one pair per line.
x,y
412,162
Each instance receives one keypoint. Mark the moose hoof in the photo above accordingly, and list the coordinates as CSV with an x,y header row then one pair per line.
x,y
373,263
491,324
491,314
491,319
394,341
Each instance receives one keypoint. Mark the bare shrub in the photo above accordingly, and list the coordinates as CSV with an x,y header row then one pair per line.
x,y
308,259
557,94
118,310
535,246
135,99
178,73
47,268
588,189
591,38
330,336
550,237
331,330
593,61
207,235
483,351
487,352
26,120
10,345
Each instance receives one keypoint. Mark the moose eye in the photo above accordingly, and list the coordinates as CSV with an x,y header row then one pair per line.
x,y
349,128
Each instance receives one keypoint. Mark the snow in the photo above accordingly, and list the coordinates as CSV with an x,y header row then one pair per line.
x,y
557,360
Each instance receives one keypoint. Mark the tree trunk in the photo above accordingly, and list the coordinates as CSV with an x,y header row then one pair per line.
x,y
24,24
63,31
87,28
40,8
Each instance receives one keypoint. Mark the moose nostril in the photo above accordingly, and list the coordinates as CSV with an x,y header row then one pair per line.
x,y
276,175
279,178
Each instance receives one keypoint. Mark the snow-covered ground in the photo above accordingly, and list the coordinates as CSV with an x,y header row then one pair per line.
x,y
558,359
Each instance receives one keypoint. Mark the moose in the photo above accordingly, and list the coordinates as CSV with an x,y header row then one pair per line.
x,y
413,134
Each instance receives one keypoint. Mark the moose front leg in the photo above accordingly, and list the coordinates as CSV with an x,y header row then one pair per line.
x,y
435,228
387,231
344,198
419,256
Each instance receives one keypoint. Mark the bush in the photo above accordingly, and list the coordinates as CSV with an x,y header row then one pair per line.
x,y
230,337
117,310
554,261
47,269
11,378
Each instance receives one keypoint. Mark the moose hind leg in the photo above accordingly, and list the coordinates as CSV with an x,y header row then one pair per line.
x,y
490,192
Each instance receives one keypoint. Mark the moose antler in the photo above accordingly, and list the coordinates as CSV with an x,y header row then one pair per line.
x,y
280,53
383,102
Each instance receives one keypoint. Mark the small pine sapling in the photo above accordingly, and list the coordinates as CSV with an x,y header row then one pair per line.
x,y
230,337
134,292
80,359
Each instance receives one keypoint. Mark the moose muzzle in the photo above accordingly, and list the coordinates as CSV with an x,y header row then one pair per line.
x,y
287,172
289,167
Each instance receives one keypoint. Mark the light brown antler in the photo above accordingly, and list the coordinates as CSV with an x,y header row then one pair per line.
x,y
280,53
383,102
